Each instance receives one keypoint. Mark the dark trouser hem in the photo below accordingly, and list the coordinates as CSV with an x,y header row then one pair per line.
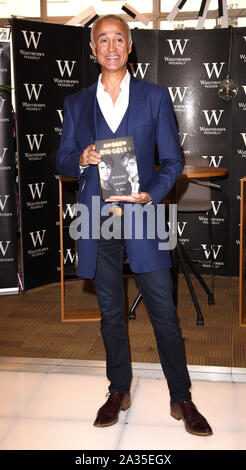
x,y
176,400
118,391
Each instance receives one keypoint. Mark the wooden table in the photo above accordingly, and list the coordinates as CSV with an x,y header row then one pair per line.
x,y
67,314
203,172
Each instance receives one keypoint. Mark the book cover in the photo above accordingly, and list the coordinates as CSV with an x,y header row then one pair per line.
x,y
118,171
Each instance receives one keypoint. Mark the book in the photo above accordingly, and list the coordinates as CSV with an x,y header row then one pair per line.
x,y
118,170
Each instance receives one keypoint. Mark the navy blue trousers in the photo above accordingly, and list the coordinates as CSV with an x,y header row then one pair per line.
x,y
156,289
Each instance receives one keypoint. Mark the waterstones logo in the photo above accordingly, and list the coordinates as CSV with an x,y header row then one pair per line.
x,y
177,94
3,202
3,153
3,68
36,190
2,108
3,35
70,211
243,56
242,152
242,104
211,253
213,118
215,220
66,68
38,238
181,226
214,160
34,143
4,248
139,70
216,207
58,129
68,256
33,91
2,101
93,58
182,137
32,39
243,134
60,114
213,70
177,48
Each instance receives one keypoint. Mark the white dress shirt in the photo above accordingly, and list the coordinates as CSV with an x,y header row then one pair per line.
x,y
113,112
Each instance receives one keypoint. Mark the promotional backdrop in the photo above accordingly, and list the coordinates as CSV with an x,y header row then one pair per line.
x,y
48,65
238,149
8,225
192,66
53,61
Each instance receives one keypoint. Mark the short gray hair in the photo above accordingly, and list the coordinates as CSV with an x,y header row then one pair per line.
x,y
110,17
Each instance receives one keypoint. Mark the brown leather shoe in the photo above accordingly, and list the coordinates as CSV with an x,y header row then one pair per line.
x,y
108,414
194,422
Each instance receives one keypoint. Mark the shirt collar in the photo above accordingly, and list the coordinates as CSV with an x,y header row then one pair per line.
x,y
124,84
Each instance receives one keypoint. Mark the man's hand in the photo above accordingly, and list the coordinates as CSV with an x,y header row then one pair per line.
x,y
89,156
135,198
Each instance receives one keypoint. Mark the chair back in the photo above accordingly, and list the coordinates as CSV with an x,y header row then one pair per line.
x,y
193,196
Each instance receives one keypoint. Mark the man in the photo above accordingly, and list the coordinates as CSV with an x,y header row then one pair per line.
x,y
117,106
130,164
105,169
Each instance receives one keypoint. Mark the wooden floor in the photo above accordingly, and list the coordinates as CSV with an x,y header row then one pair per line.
x,y
30,325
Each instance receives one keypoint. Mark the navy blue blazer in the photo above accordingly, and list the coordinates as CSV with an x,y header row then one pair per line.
x,y
151,122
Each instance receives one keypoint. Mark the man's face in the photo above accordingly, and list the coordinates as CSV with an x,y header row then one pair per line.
x,y
131,167
105,171
111,45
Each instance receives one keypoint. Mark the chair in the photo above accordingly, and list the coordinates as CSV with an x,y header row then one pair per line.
x,y
194,196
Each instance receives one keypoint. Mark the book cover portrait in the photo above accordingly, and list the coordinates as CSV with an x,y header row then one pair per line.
x,y
118,171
